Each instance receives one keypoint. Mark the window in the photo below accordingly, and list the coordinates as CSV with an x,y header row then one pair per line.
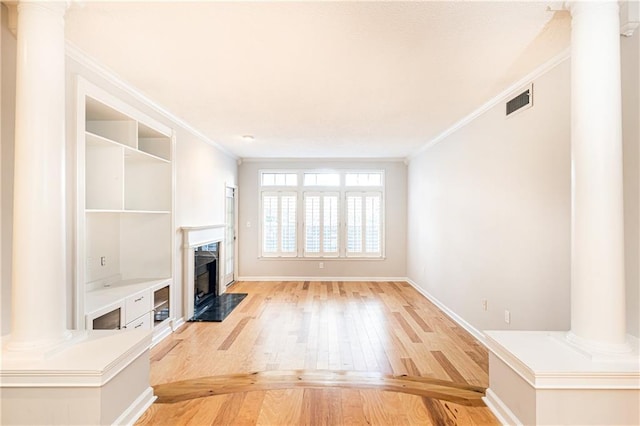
x,y
321,224
279,220
364,224
279,179
363,179
341,213
321,179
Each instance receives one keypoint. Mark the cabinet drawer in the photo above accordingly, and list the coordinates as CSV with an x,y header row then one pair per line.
x,y
142,323
137,305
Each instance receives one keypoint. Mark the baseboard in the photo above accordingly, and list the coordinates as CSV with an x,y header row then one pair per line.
x,y
137,408
178,323
504,415
272,278
455,317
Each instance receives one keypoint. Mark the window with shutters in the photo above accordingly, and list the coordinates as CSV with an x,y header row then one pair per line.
x,y
340,214
364,224
321,224
279,224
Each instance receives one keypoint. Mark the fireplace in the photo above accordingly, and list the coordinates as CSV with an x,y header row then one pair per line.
x,y
206,277
203,247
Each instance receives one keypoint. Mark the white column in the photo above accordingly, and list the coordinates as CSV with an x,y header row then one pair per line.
x,y
597,242
38,305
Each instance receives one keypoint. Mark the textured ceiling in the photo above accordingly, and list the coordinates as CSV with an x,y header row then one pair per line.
x,y
319,79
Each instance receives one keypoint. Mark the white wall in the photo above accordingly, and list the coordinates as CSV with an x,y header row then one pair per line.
x,y
489,214
630,52
7,124
489,209
394,265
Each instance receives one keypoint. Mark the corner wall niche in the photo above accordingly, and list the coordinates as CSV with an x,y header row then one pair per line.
x,y
125,238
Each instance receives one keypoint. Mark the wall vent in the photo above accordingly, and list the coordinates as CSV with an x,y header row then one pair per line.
x,y
522,101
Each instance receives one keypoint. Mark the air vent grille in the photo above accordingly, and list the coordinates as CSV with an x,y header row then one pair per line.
x,y
523,100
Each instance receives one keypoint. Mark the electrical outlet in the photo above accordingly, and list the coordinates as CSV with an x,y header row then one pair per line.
x,y
103,260
507,317
485,305
321,265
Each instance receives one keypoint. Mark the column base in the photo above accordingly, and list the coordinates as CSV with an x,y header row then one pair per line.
x,y
538,377
102,378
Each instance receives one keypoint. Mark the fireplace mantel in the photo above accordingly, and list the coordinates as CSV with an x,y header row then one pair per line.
x,y
192,237
195,236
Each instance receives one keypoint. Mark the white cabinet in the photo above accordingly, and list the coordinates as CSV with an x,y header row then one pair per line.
x,y
125,198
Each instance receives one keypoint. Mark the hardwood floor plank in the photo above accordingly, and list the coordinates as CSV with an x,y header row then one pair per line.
x,y
453,373
164,350
423,325
233,335
230,409
407,328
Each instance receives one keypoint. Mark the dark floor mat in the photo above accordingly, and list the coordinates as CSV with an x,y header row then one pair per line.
x,y
219,307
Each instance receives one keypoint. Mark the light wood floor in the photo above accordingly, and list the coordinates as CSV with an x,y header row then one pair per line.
x,y
321,353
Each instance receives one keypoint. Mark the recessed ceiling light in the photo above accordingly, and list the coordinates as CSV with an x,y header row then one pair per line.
x,y
248,138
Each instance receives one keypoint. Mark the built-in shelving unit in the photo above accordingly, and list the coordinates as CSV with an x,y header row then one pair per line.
x,y
125,235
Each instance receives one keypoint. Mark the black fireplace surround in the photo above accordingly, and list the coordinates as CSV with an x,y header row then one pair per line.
x,y
208,304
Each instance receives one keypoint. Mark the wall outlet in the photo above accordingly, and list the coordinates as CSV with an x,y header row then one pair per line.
x,y
103,260
507,317
321,265
485,305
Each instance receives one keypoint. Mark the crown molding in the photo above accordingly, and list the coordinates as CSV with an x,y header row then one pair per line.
x,y
322,159
85,60
501,97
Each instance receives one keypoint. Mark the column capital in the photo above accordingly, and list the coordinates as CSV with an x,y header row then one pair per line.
x,y
14,6
629,11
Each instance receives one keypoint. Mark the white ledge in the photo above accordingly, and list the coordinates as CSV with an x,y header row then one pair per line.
x,y
89,362
546,360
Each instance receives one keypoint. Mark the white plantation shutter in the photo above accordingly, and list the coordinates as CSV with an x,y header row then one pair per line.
x,y
330,224
312,224
279,224
289,214
372,224
354,224
269,224
364,224
321,224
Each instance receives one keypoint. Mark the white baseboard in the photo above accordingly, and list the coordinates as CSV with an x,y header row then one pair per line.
x,y
272,278
178,323
455,317
504,415
137,408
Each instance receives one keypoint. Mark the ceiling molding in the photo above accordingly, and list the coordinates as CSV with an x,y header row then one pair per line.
x,y
541,70
83,59
322,159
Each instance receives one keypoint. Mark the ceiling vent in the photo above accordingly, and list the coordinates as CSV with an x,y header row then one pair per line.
x,y
521,102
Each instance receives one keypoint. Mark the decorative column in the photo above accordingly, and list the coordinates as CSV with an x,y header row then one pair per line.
x,y
38,306
597,240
